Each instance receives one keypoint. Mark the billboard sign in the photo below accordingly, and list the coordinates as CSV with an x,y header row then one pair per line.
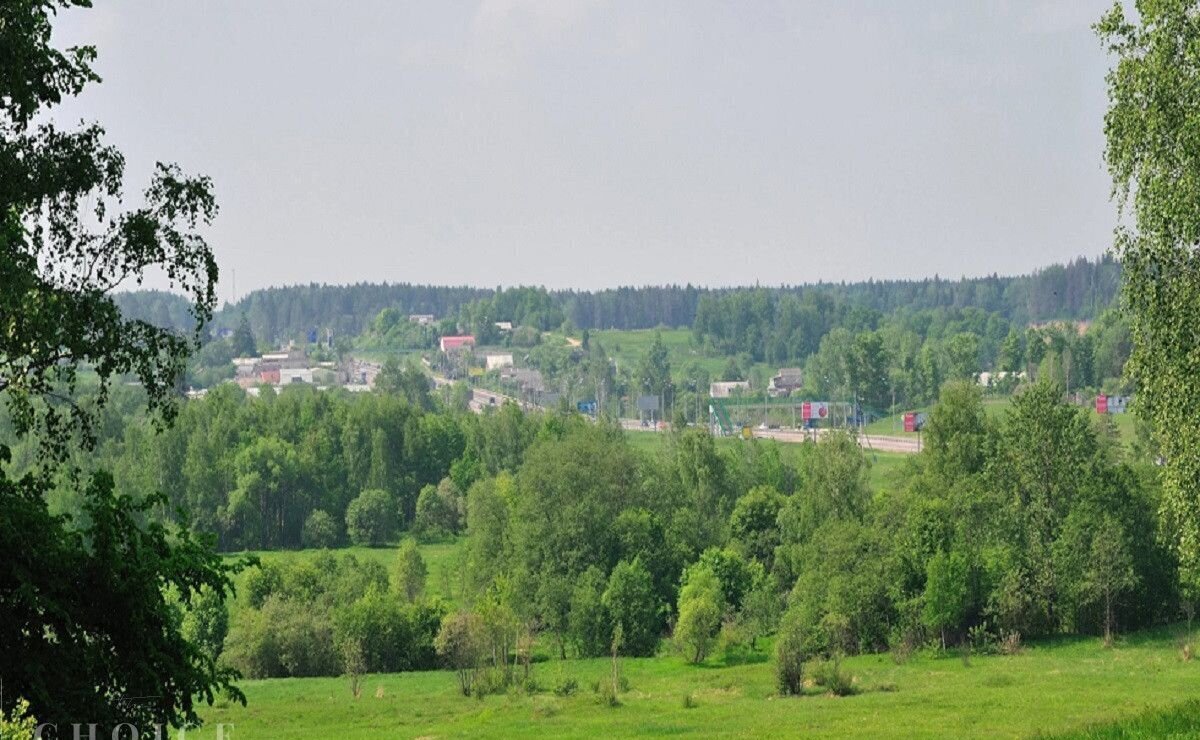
x,y
647,403
814,410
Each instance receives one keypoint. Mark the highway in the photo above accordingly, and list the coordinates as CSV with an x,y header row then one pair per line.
x,y
482,400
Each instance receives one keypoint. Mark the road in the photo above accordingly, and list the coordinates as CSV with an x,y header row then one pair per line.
x,y
482,399
879,443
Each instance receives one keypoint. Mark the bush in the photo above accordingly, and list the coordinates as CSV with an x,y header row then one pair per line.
x,y
566,687
320,530
789,654
369,519
829,675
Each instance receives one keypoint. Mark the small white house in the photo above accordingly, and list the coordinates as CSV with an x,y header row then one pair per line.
x,y
725,389
497,361
295,375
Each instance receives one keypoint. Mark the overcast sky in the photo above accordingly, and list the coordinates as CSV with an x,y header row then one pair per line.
x,y
594,144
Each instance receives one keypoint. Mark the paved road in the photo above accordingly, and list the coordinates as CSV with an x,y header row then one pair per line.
x,y
879,443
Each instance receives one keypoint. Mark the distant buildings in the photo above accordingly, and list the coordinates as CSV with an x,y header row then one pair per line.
x,y
424,319
725,389
504,325
449,344
497,361
788,379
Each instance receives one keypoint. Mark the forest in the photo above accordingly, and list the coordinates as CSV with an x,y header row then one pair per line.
x,y
1080,289
1042,522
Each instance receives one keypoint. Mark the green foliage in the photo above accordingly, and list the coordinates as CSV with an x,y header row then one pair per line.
x,y
206,623
461,642
753,527
790,654
1151,153
701,606
947,591
590,624
18,723
632,605
369,518
320,530
408,573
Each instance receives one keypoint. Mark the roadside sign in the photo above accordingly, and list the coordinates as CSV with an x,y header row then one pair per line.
x,y
747,432
586,407
814,410
647,403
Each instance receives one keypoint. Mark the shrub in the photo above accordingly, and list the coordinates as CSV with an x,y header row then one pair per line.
x,y
566,687
828,674
369,518
320,530
789,654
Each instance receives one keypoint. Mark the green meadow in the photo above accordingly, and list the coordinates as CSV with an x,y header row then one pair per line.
x,y
1073,686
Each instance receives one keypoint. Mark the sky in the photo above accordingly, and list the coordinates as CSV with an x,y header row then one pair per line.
x,y
593,144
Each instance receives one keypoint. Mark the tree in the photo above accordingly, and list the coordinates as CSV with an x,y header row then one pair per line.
x,y
654,371
1109,572
753,524
69,654
701,606
633,607
590,625
946,591
243,340
206,624
461,643
320,530
789,654
408,572
407,381
1152,153
369,519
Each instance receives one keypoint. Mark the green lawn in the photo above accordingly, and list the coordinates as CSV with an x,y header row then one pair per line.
x,y
1054,687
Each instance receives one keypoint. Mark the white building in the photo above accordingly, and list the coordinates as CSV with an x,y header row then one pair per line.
x,y
725,389
495,362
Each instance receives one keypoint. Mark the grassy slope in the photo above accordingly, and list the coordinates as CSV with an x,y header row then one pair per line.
x,y
1053,687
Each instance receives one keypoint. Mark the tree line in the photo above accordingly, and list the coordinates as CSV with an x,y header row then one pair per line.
x,y
1080,289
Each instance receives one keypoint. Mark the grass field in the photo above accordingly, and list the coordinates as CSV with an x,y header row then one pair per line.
x,y
1053,687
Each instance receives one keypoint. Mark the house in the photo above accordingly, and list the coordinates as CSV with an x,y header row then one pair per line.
x,y
725,389
449,344
528,380
495,362
295,375
504,325
423,319
788,379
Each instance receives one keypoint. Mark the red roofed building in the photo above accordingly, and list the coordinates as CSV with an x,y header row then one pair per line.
x,y
449,344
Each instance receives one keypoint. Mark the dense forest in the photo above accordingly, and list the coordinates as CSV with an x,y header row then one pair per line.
x,y
1077,290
